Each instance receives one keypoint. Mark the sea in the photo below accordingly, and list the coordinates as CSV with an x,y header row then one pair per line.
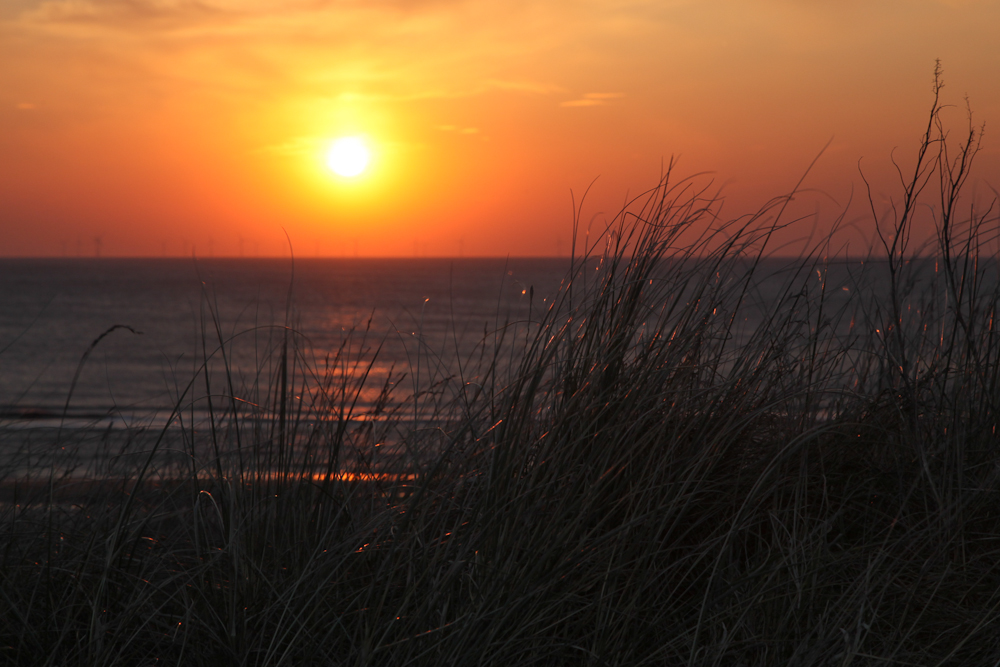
x,y
114,342
87,342
105,354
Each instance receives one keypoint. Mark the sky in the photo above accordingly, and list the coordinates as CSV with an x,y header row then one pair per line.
x,y
180,127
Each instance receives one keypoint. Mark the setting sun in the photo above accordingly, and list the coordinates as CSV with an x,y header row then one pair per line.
x,y
348,156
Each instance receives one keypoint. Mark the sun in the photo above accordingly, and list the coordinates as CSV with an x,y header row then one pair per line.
x,y
348,157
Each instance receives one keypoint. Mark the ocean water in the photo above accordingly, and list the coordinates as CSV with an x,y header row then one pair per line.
x,y
98,356
171,314
120,342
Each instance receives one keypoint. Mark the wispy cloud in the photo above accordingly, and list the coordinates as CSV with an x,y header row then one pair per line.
x,y
524,86
592,100
471,89
125,14
376,51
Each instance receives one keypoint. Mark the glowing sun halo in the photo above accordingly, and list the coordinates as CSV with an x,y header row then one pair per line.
x,y
348,156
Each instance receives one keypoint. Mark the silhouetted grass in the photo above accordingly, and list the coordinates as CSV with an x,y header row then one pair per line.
x,y
677,461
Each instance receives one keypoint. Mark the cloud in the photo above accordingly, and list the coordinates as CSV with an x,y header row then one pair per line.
x,y
524,86
358,50
123,14
453,91
592,100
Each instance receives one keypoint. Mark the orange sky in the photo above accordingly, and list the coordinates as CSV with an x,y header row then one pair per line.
x,y
166,127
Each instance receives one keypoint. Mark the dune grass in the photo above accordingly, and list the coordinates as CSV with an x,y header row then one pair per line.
x,y
659,467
